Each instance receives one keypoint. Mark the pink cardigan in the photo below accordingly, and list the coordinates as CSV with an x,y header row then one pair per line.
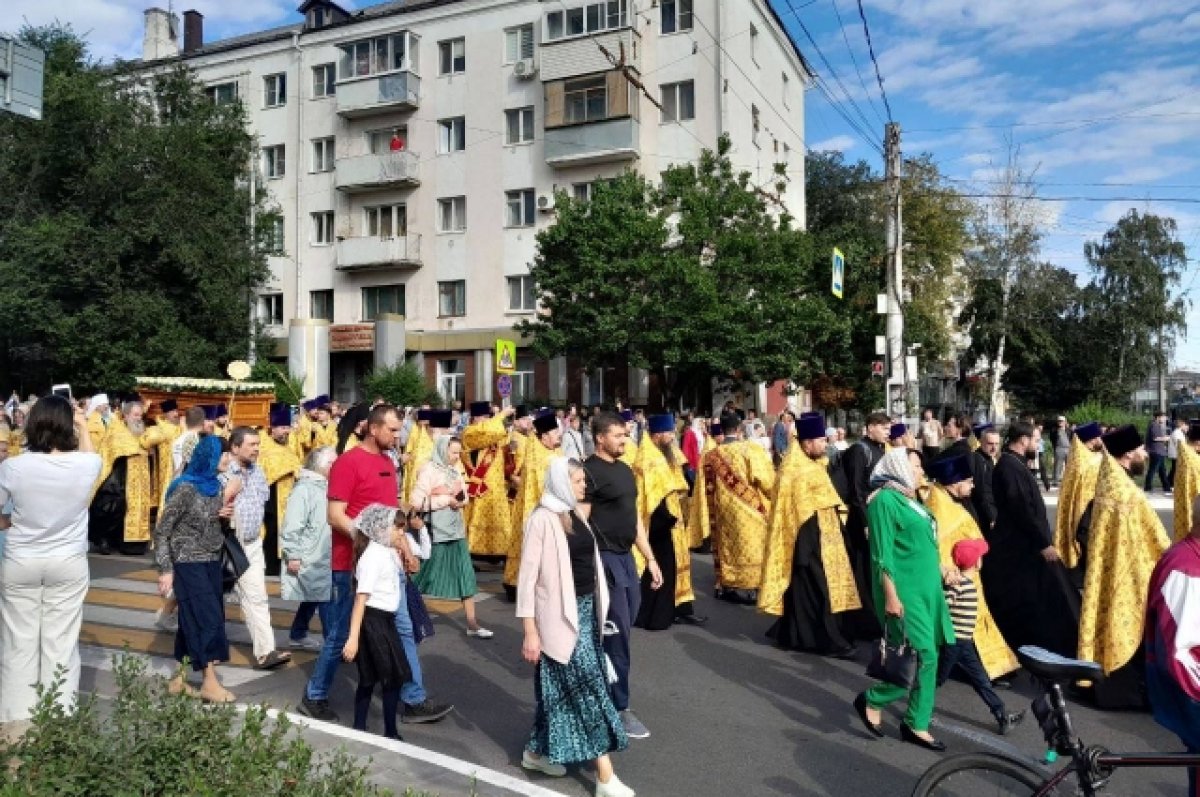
x,y
546,589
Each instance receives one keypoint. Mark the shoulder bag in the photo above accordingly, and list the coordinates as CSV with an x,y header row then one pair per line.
x,y
234,562
894,664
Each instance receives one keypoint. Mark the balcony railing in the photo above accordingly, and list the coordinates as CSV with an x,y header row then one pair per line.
x,y
383,170
371,253
609,141
394,91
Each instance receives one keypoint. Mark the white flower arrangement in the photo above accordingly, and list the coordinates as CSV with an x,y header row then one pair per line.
x,y
184,384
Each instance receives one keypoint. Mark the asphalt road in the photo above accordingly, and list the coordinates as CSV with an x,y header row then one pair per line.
x,y
729,714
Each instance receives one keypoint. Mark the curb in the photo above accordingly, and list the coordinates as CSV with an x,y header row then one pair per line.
x,y
457,765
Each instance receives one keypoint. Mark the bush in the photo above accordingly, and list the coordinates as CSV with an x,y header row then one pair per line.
x,y
402,385
288,389
148,742
1106,415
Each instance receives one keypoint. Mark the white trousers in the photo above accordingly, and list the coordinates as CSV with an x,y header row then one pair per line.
x,y
252,594
41,610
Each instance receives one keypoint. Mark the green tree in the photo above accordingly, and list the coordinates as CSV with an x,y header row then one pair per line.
x,y
1138,265
125,242
401,385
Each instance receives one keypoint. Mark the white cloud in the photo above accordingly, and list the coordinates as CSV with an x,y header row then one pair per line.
x,y
840,143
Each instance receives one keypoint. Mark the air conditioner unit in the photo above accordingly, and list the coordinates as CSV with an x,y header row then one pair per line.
x,y
546,203
525,69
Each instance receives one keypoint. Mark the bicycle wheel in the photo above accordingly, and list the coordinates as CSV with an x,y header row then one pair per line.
x,y
981,775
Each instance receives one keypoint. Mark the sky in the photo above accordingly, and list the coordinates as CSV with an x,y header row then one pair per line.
x,y
1102,97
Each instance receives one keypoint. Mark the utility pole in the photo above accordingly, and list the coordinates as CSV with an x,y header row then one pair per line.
x,y
897,383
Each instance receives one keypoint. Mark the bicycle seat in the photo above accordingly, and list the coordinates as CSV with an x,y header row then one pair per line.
x,y
1053,667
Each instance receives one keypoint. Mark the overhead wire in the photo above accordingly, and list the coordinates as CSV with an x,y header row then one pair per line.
x,y
871,49
854,59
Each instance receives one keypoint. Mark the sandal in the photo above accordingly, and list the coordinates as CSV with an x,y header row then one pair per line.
x,y
272,660
178,686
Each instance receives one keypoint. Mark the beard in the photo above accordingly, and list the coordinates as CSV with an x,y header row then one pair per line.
x,y
137,428
1137,468
281,439
668,452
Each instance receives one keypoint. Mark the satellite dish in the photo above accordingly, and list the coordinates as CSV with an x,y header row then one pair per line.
x,y
238,370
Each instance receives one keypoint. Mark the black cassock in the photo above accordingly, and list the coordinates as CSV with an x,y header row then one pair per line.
x,y
657,611
1032,600
982,499
271,521
857,463
106,515
808,622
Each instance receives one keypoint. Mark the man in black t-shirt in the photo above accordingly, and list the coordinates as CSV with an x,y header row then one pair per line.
x,y
611,508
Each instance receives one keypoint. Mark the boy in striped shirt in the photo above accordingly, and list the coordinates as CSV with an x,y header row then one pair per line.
x,y
963,600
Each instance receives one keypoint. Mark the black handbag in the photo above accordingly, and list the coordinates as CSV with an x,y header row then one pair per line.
x,y
894,664
234,562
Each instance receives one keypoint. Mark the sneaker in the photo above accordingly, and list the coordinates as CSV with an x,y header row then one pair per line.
x,y
614,788
306,643
166,621
317,709
538,764
480,633
1006,722
634,728
425,712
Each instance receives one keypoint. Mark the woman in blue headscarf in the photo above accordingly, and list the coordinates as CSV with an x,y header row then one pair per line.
x,y
187,548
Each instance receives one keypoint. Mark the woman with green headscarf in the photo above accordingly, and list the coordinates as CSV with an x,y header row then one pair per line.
x,y
439,496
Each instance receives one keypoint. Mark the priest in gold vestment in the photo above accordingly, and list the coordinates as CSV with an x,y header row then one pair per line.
x,y
807,581
280,465
949,501
739,479
119,518
1077,490
488,513
539,451
99,416
661,487
1125,542
1186,485
159,439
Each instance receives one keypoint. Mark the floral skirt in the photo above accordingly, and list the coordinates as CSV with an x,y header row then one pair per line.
x,y
576,720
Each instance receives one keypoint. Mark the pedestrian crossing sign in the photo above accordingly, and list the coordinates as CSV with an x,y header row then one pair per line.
x,y
506,356
839,272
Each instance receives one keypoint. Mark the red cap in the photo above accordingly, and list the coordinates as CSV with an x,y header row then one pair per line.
x,y
967,553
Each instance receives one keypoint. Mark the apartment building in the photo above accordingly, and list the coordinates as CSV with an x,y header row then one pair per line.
x,y
415,148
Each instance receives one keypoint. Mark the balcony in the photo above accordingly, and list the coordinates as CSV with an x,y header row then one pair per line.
x,y
395,91
610,141
373,172
581,55
378,254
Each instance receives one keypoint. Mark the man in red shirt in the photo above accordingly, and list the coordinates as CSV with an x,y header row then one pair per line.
x,y
362,476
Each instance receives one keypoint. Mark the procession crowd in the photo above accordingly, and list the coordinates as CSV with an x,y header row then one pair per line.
x,y
939,538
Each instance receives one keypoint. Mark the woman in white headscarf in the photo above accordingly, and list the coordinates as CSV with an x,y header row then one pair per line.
x,y
907,585
562,599
439,496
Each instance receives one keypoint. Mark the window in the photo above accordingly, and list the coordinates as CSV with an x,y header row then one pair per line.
x,y
275,90
452,57
324,77
518,44
272,236
787,89
582,192
754,44
522,294
380,299
521,207
322,154
222,93
755,124
270,309
380,141
585,100
452,135
679,101
452,298
377,56
452,214
591,18
519,125
386,221
676,15
274,161
452,380
522,379
322,228
787,154
320,304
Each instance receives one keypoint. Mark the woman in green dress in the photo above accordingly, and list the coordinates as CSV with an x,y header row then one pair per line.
x,y
907,586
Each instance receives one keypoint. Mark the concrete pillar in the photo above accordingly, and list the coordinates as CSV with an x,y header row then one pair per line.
x,y
308,354
485,377
639,386
558,380
389,340
585,387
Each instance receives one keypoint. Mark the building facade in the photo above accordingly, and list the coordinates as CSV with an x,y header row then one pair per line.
x,y
414,151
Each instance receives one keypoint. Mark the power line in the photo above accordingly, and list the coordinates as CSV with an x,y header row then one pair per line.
x,y
1181,200
854,60
1058,123
871,49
